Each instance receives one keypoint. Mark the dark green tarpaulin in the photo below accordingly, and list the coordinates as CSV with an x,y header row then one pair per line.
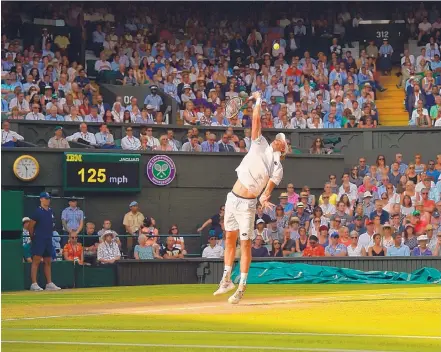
x,y
286,273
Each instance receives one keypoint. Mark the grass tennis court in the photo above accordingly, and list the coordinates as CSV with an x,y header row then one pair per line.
x,y
356,318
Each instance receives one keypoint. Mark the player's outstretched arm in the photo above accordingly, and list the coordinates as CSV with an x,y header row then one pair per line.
x,y
256,129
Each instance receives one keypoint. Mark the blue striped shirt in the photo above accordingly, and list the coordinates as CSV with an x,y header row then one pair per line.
x,y
72,217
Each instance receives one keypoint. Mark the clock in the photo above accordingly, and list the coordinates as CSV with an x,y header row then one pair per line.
x,y
26,168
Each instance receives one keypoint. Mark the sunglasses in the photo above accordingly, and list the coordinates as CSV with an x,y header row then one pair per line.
x,y
337,220
332,178
325,197
424,193
355,237
74,238
380,158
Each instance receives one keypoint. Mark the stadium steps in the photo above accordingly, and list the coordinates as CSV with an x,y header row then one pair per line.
x,y
390,103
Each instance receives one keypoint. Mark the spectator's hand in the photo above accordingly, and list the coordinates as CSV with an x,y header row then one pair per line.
x,y
14,139
199,229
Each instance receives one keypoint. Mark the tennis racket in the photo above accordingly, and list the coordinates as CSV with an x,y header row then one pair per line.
x,y
233,106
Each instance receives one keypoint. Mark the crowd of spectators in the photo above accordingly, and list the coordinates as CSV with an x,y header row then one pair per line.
x,y
202,64
420,75
374,210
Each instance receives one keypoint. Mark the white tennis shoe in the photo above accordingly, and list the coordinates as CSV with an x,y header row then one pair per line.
x,y
224,287
237,296
35,287
52,287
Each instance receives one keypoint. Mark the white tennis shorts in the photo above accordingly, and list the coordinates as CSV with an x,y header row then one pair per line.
x,y
240,215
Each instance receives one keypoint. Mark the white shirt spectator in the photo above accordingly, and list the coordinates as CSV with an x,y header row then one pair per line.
x,y
354,252
353,192
102,65
108,251
88,136
415,115
130,143
35,116
22,106
213,252
311,125
424,26
8,136
438,123
366,241
77,118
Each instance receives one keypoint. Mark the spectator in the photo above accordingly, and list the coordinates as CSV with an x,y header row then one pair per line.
x,y
422,249
210,144
104,139
314,249
9,138
215,222
90,243
107,226
384,215
73,251
355,249
335,249
53,115
288,244
276,249
144,249
130,142
398,249
153,99
108,251
192,146
262,231
213,250
84,136
170,251
58,141
72,218
35,115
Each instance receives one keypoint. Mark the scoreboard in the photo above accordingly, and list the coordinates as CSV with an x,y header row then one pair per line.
x,y
101,172
394,31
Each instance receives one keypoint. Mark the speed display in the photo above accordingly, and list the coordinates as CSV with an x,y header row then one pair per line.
x,y
101,172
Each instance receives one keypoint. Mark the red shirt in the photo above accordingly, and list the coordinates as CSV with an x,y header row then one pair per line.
x,y
318,251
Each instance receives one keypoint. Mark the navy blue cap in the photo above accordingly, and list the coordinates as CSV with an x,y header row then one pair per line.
x,y
45,195
335,235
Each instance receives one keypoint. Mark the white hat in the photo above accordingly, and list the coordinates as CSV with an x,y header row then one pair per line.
x,y
187,86
367,194
150,107
260,221
422,238
25,219
236,68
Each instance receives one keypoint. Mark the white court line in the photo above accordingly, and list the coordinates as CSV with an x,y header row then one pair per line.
x,y
223,332
115,344
299,300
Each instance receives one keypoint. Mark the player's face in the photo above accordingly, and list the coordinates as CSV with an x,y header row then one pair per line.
x,y
279,146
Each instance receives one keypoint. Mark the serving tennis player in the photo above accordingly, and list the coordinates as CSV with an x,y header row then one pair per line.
x,y
260,170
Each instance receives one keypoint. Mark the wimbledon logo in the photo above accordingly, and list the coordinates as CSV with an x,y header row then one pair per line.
x,y
161,170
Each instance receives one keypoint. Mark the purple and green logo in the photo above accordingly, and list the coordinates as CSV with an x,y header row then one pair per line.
x,y
161,170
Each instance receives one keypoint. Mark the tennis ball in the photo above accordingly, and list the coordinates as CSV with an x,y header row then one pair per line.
x,y
276,46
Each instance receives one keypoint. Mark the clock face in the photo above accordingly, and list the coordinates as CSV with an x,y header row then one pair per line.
x,y
26,168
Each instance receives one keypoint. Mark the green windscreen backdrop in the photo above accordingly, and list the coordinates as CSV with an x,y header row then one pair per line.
x,y
12,210
12,243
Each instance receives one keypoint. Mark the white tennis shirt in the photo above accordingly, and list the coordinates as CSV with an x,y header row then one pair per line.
x,y
260,165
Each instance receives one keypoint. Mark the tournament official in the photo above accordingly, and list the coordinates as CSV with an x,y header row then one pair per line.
x,y
40,230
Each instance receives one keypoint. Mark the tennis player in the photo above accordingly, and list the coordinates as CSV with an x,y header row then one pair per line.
x,y
260,170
